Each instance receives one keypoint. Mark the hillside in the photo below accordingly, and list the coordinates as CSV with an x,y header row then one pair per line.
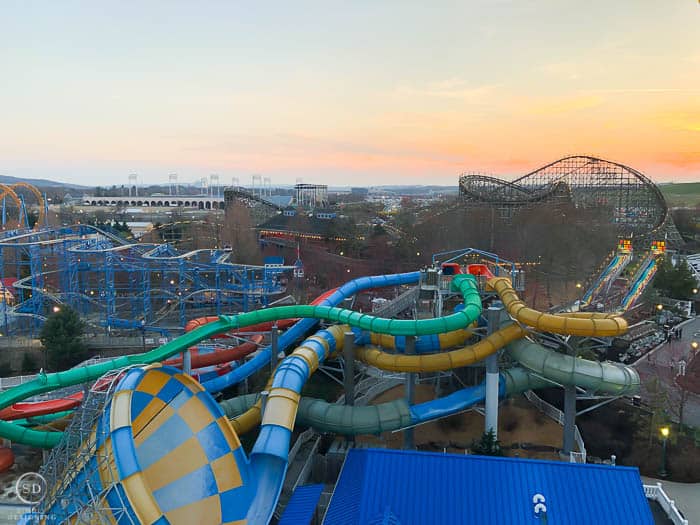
x,y
684,194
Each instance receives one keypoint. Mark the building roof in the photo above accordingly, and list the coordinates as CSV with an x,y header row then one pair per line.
x,y
300,223
417,488
302,505
279,200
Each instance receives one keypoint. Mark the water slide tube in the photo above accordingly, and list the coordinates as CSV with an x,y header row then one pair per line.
x,y
47,382
646,275
261,478
302,327
269,455
580,324
200,359
602,377
550,366
30,410
40,408
249,419
389,416
594,324
262,327
424,344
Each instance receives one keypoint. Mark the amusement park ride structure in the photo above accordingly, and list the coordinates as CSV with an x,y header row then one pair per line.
x,y
115,284
630,199
145,427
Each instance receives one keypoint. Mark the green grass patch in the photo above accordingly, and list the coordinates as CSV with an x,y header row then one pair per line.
x,y
683,194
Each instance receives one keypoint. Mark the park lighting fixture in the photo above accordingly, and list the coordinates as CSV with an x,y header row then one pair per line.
x,y
659,307
694,345
664,435
579,285
56,309
695,291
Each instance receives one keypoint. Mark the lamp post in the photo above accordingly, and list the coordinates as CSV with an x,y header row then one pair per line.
x,y
143,335
664,436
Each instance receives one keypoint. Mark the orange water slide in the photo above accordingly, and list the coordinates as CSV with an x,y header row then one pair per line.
x,y
40,408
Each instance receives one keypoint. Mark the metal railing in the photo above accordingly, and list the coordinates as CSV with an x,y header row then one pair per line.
x,y
656,493
10,382
402,302
558,416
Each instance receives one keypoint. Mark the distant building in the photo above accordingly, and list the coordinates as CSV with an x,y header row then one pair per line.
x,y
363,192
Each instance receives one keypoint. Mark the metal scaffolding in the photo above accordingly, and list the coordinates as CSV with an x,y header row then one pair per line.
x,y
84,453
117,285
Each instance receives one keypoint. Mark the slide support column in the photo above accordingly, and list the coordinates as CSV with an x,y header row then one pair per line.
x,y
274,347
493,315
187,362
569,419
408,442
349,361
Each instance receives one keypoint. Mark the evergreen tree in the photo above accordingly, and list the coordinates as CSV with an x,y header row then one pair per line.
x,y
29,365
488,445
62,338
675,282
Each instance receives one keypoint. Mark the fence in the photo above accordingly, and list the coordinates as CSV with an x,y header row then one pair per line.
x,y
558,416
656,493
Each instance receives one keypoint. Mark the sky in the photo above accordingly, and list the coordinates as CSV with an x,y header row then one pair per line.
x,y
366,92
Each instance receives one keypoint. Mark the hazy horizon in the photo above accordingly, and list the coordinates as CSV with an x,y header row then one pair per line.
x,y
359,94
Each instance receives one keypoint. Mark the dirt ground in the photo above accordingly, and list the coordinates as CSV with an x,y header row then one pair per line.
x,y
521,426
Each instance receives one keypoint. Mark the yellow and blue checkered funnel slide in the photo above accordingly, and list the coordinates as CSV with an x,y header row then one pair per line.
x,y
172,452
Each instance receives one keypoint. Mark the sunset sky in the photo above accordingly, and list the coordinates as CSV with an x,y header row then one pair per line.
x,y
352,93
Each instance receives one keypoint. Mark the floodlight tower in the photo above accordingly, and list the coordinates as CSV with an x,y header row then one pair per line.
x,y
172,182
214,183
133,181
257,179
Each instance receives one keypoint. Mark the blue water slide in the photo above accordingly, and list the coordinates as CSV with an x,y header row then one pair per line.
x,y
588,296
303,326
639,285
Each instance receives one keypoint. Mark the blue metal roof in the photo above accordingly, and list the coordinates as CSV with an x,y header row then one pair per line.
x,y
302,505
421,488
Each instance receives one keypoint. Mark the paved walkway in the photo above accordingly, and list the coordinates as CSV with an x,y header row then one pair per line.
x,y
686,496
663,364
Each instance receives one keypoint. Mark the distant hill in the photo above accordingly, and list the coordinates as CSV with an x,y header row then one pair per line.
x,y
7,179
683,194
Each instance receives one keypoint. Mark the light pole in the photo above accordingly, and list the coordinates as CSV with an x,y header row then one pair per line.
x,y
143,334
664,436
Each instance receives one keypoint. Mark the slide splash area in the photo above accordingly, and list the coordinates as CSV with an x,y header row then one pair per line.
x,y
165,451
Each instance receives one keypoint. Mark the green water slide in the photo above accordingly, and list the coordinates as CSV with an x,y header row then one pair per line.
x,y
464,284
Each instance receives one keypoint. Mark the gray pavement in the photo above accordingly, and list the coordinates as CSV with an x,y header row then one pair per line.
x,y
686,496
664,362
